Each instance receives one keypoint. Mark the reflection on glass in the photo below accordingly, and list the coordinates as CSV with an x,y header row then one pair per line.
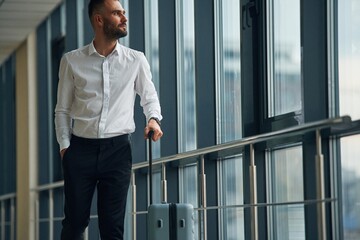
x,y
284,57
232,185
286,176
228,71
349,97
126,40
190,189
185,46
229,125
350,156
186,74
349,58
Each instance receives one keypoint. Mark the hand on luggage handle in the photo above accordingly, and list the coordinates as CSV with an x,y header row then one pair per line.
x,y
150,134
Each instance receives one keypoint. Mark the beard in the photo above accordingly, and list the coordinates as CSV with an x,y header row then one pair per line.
x,y
112,31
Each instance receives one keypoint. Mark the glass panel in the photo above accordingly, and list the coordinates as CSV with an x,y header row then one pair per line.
x,y
186,74
126,40
93,229
57,230
156,186
228,70
349,57
43,230
189,190
44,205
349,88
286,177
232,185
284,57
128,215
229,125
58,202
350,153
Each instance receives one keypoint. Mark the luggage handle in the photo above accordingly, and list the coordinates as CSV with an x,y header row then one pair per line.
x,y
150,134
163,173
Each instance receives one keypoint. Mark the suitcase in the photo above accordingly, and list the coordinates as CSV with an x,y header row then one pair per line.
x,y
169,221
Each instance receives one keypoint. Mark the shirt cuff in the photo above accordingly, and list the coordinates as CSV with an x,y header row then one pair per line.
x,y
64,144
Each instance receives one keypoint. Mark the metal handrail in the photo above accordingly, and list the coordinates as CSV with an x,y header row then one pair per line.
x,y
7,196
48,186
287,132
198,154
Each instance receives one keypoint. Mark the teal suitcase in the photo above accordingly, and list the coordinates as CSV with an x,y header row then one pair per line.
x,y
169,221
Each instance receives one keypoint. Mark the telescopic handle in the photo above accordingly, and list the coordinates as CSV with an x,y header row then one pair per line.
x,y
150,134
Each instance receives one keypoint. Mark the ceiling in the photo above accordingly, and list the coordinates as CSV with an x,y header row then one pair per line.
x,y
18,18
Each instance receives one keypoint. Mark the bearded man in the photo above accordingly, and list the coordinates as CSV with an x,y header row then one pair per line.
x,y
94,118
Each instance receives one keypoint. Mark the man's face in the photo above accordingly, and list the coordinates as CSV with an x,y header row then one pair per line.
x,y
115,26
113,30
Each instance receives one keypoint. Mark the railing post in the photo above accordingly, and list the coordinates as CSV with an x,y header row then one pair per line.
x,y
202,200
320,189
253,195
37,225
163,183
12,219
2,220
133,191
51,214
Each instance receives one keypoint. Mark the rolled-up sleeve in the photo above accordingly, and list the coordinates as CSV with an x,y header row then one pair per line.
x,y
146,90
65,96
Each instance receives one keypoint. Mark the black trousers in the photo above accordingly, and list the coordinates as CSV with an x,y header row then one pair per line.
x,y
104,164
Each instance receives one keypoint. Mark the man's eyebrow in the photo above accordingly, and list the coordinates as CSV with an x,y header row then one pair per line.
x,y
119,11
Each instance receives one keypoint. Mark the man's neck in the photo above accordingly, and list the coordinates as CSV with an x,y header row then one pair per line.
x,y
104,47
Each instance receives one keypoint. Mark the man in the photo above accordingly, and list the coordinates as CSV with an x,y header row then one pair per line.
x,y
97,87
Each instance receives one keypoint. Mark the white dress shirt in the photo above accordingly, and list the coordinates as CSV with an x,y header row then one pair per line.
x,y
96,94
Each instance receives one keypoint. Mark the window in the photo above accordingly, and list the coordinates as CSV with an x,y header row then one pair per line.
x,y
185,36
229,124
285,184
7,127
349,58
228,66
349,88
185,52
350,186
126,40
232,219
284,57
7,149
189,189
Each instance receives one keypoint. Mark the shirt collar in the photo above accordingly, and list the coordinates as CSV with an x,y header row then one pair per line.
x,y
92,49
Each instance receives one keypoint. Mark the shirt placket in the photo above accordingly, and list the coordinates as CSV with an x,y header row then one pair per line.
x,y
106,97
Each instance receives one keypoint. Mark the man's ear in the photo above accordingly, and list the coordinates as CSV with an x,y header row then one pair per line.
x,y
98,20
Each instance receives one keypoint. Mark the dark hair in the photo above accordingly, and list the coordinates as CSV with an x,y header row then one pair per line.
x,y
94,5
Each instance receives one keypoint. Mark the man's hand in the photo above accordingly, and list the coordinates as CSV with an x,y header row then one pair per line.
x,y
153,126
62,152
